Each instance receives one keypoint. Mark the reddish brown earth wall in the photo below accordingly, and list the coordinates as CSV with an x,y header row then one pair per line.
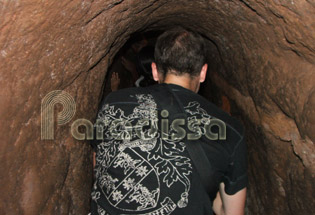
x,y
263,60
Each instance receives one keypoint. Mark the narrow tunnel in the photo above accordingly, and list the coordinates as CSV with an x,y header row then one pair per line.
x,y
261,56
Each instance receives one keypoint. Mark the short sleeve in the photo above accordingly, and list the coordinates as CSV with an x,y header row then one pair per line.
x,y
236,177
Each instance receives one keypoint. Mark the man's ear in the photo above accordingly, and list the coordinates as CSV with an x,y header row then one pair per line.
x,y
155,72
203,73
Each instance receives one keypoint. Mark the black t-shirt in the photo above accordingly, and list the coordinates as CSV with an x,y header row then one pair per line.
x,y
141,169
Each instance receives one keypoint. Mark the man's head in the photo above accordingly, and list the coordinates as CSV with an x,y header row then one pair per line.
x,y
180,53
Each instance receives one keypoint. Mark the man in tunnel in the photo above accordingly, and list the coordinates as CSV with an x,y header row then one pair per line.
x,y
164,149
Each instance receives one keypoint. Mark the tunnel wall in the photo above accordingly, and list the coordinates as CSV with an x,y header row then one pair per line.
x,y
261,57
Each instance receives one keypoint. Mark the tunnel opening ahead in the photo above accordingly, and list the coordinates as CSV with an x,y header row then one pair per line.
x,y
126,70
125,63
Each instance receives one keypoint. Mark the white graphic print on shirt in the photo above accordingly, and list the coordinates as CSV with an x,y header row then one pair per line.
x,y
140,162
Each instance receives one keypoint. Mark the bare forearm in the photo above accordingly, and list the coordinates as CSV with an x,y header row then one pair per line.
x,y
231,204
219,211
217,205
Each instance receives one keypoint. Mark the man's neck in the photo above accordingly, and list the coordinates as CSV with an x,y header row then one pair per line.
x,y
185,81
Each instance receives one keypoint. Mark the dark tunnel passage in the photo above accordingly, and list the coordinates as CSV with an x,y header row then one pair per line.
x,y
142,43
261,65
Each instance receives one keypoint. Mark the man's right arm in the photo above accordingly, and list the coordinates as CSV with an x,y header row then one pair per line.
x,y
225,204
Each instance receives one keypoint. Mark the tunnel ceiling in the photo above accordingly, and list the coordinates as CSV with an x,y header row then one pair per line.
x,y
261,54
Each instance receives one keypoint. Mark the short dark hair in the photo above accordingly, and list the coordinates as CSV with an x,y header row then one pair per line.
x,y
180,51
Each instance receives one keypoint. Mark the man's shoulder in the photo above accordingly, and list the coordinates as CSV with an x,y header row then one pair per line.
x,y
124,95
231,122
127,94
195,102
